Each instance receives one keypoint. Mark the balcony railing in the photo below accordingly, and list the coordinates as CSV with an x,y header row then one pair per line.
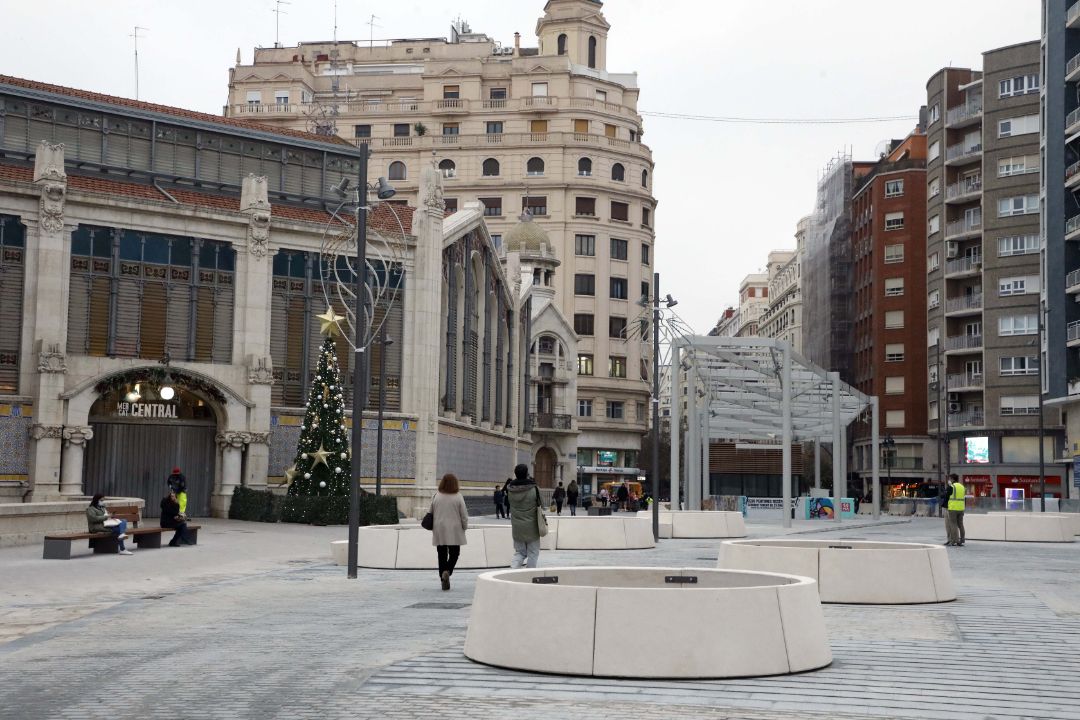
x,y
550,421
1072,224
963,226
529,138
965,302
1072,118
1072,279
964,380
1072,170
970,109
967,418
964,187
1072,14
963,265
964,342
962,150
1073,330
1073,65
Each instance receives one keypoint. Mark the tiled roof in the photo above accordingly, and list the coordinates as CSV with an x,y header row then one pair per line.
x,y
169,110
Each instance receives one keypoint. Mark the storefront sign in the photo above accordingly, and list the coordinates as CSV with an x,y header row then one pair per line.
x,y
758,503
146,410
605,470
1076,471
1026,480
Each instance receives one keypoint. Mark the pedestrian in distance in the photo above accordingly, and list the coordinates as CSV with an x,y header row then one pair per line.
x,y
954,520
603,497
451,520
524,525
178,484
572,496
506,497
98,520
559,496
499,498
623,495
172,518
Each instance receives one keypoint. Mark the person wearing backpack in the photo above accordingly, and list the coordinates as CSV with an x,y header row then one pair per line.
x,y
525,527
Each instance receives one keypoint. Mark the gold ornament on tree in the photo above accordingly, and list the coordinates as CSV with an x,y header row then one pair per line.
x,y
330,323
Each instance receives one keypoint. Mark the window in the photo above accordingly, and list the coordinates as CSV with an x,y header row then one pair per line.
x,y
1017,325
1020,165
1019,365
397,170
492,206
585,246
933,188
933,225
447,168
933,152
450,205
894,221
933,335
494,128
933,114
592,51
601,95
584,365
644,254
538,128
496,240
894,385
584,284
1019,404
646,217
894,352
933,300
894,418
1018,285
1019,85
894,254
584,167
535,166
894,319
535,205
933,262
497,93
644,178
614,410
1023,125
1018,205
618,172
254,97
610,131
618,249
618,289
1018,245
620,211
894,188
617,327
362,131
539,89
491,168
583,324
451,128
585,206
401,130
584,408
894,287
451,92
560,45
616,366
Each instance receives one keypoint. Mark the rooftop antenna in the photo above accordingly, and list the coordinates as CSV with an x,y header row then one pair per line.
x,y
136,36
277,20
371,31
334,82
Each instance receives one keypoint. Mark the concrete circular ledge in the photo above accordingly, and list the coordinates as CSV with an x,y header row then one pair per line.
x,y
852,571
622,531
725,624
1020,527
699,523
408,547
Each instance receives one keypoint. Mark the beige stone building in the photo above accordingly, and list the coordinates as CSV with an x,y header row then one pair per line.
x,y
782,318
546,129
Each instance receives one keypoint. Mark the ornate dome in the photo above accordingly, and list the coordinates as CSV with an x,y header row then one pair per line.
x,y
527,237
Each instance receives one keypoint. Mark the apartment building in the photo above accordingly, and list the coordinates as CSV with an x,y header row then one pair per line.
x,y
548,130
782,318
753,300
889,232
983,278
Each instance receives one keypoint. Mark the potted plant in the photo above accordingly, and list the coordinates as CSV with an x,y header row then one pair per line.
x,y
420,128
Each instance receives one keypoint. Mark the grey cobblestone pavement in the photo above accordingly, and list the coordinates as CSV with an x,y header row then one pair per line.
x,y
280,633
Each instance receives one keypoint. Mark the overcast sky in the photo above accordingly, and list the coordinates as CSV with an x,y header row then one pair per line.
x,y
728,193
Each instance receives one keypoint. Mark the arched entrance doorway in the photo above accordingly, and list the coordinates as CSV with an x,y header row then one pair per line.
x,y
545,467
140,436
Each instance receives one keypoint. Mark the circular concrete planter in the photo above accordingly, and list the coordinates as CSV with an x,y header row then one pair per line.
x,y
852,571
700,523
1020,527
622,531
408,547
726,624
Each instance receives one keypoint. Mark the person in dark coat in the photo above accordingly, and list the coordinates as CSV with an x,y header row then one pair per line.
x,y
623,494
506,497
172,518
559,496
178,486
500,500
572,496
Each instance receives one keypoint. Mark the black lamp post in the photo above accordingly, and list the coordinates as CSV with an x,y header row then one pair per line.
x,y
889,445
384,342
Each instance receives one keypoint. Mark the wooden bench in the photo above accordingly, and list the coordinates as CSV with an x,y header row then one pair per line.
x,y
58,545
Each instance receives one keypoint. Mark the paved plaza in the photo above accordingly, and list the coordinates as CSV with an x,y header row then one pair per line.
x,y
255,622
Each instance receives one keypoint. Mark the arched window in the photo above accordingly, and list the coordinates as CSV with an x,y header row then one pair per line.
x,y
644,178
584,167
592,51
447,168
491,167
562,45
397,170
535,166
618,173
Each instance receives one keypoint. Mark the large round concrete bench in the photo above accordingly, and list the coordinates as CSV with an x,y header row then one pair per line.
x,y
622,531
851,571
1019,527
649,622
408,547
700,523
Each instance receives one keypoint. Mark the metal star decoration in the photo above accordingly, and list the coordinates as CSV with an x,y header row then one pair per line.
x,y
320,456
290,473
330,322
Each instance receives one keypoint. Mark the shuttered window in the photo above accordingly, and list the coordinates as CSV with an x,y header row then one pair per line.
x,y
12,262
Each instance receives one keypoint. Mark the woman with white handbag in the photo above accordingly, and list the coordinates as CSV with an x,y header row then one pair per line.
x,y
98,520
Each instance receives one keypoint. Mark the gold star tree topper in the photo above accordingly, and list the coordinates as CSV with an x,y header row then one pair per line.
x,y
330,322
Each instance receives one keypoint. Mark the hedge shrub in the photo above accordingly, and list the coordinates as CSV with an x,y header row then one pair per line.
x,y
316,510
254,505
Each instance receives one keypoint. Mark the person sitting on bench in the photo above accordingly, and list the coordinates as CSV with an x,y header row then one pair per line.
x,y
171,517
97,515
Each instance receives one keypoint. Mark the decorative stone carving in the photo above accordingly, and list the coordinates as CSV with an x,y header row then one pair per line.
x,y
77,435
49,162
431,188
50,176
236,439
255,203
259,438
52,205
51,359
260,371
46,432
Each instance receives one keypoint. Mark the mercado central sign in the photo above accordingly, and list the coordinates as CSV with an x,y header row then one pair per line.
x,y
146,410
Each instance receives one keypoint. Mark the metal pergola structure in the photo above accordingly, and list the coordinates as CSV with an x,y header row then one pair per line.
x,y
759,389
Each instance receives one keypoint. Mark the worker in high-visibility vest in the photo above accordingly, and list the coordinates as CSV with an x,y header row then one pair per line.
x,y
954,515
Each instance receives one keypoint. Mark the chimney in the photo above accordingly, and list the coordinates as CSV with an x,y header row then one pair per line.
x,y
517,41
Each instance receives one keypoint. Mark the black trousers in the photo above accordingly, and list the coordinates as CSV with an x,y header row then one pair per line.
x,y
181,534
448,555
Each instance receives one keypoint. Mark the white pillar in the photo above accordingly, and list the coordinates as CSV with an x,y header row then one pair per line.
x,y
843,465
674,420
834,378
71,462
817,463
232,448
875,465
785,399
693,455
704,479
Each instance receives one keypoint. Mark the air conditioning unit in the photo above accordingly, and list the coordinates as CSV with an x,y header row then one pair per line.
x,y
954,397
952,249
954,407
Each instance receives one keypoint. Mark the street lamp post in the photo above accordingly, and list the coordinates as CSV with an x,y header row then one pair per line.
x,y
656,409
384,343
359,397
1042,429
889,446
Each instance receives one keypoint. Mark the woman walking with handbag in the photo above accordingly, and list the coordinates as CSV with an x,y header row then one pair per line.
x,y
450,520
525,512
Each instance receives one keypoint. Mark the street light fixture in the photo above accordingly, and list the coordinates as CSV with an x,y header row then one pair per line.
x,y
385,341
889,446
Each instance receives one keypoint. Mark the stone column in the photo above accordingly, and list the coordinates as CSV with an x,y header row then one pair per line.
x,y
71,464
232,445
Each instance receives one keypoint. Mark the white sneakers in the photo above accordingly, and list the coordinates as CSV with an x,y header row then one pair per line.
x,y
123,537
126,552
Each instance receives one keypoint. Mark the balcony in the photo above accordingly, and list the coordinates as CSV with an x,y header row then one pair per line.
x,y
964,305
549,139
967,418
540,103
968,226
963,191
1072,123
1072,282
1073,333
261,110
1072,68
1072,16
1072,175
450,106
962,153
551,421
1072,227
969,113
960,382
963,267
961,344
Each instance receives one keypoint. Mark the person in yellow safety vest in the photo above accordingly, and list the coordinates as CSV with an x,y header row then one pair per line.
x,y
954,516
